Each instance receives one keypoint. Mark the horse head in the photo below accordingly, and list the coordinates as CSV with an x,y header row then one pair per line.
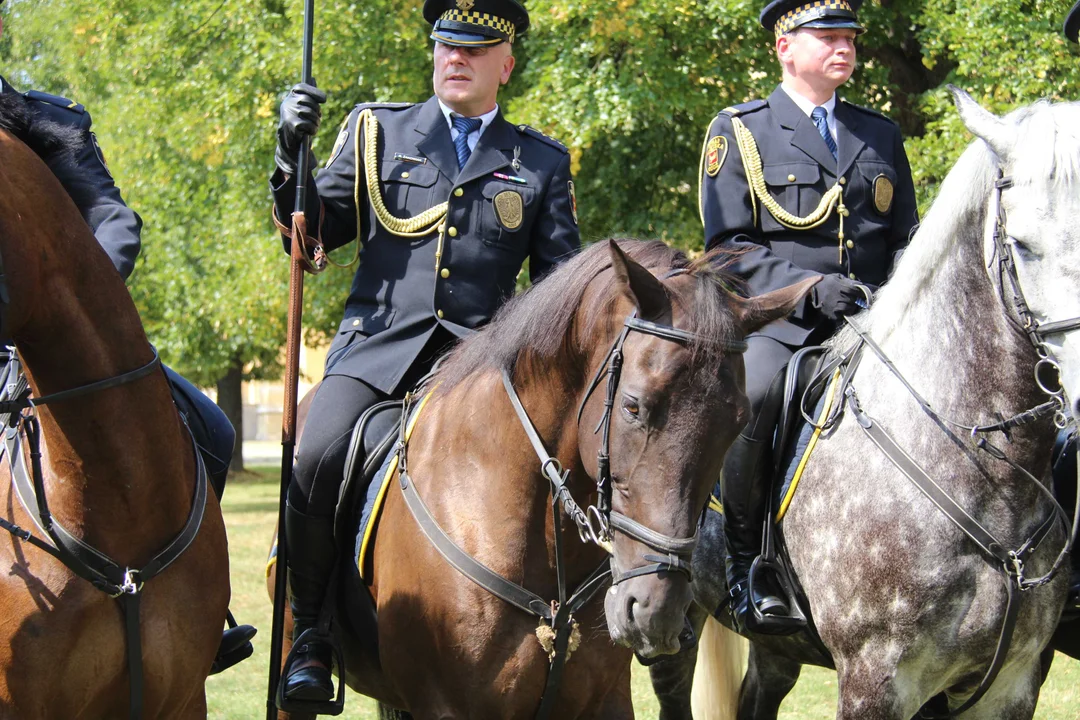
x,y
672,405
1032,240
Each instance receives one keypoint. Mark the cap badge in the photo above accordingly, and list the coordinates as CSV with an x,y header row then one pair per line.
x,y
510,209
465,5
715,154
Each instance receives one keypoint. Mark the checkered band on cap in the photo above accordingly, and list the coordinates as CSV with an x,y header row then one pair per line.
x,y
501,25
793,18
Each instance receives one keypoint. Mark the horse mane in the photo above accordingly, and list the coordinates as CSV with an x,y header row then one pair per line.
x,y
536,326
1047,146
56,144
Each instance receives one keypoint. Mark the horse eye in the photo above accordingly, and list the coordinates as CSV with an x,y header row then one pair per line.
x,y
631,408
1023,248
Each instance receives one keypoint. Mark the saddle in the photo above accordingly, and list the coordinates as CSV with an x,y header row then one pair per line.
x,y
374,436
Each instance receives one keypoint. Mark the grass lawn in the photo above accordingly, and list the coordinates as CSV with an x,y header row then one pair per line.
x,y
250,508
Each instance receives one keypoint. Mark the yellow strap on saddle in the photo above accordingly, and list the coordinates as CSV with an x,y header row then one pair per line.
x,y
755,177
830,398
369,531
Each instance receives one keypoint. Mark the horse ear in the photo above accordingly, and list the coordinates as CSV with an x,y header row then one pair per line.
x,y
757,312
638,284
983,123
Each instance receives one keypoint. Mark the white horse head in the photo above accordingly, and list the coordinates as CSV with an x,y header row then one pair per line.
x,y
1038,148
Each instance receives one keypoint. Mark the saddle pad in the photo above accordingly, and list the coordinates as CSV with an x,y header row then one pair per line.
x,y
804,447
376,493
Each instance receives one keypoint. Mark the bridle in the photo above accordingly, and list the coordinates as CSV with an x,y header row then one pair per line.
x,y
1024,319
1011,562
600,521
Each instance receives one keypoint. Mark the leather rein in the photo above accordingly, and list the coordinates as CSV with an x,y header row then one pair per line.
x,y
1010,561
121,583
596,524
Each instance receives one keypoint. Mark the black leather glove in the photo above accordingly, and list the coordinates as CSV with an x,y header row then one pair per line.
x,y
300,118
836,296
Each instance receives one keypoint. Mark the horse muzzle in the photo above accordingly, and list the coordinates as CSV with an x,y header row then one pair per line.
x,y
647,613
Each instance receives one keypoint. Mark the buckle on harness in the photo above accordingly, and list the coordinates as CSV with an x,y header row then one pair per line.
x,y
131,585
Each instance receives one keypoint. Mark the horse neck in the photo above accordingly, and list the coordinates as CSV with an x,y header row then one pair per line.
x,y
116,458
945,328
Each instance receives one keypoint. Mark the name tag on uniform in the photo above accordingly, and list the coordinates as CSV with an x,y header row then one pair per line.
x,y
409,158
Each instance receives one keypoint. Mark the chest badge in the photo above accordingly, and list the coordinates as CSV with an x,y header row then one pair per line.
x,y
510,209
883,194
715,155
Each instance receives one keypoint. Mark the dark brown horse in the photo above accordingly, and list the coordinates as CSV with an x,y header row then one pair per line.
x,y
118,471
448,648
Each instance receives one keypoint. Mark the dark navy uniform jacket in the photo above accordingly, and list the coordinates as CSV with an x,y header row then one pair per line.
x,y
116,226
798,170
398,300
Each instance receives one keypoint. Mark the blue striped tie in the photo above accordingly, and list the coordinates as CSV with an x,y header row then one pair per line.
x,y
820,116
465,127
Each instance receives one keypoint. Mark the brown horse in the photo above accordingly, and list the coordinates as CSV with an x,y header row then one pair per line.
x,y
447,647
118,471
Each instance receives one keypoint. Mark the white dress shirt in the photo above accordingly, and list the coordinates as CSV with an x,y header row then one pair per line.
x,y
808,107
474,137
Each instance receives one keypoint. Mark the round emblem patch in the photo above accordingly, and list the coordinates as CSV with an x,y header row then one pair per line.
x,y
510,209
715,154
883,194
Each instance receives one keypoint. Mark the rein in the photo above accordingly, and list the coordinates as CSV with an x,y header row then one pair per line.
x,y
123,584
1011,562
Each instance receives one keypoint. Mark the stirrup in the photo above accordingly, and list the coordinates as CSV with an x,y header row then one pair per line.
x,y
235,645
756,621
330,707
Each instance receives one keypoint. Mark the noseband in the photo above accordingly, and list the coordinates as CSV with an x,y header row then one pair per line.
x,y
598,523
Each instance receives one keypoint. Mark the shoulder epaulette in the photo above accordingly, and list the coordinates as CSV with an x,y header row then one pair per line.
x,y
533,132
384,106
744,108
54,100
868,111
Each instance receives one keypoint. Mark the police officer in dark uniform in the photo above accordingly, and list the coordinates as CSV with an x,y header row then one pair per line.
x,y
447,200
801,184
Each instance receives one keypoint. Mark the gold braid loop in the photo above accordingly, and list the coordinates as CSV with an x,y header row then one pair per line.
x,y
425,223
756,179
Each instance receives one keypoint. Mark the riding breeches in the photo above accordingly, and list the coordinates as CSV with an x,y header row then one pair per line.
x,y
320,460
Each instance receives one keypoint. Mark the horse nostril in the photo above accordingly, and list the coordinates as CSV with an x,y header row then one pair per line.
x,y
631,603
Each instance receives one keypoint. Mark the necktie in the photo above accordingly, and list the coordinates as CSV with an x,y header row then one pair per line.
x,y
820,116
465,127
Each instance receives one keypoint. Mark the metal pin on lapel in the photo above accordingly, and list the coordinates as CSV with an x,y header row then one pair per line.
x,y
516,164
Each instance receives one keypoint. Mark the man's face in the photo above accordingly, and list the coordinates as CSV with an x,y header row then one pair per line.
x,y
467,80
819,55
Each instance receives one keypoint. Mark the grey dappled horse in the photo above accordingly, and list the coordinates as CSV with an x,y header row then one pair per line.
x,y
906,604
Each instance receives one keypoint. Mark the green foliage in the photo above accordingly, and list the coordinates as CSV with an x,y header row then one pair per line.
x,y
185,100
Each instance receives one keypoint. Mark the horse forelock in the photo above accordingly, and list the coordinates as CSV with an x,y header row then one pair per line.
x,y
537,327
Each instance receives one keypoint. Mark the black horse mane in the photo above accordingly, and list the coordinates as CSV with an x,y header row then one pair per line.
x,y
57,145
537,323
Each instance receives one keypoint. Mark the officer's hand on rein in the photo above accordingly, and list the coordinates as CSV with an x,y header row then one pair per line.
x,y
300,118
836,296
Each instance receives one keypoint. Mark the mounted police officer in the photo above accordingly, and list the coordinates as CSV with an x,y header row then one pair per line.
x,y
447,200
118,229
801,184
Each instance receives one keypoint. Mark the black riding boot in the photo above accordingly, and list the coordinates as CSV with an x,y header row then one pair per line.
x,y
742,488
311,562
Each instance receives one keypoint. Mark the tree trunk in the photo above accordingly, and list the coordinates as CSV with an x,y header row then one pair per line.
x,y
231,402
